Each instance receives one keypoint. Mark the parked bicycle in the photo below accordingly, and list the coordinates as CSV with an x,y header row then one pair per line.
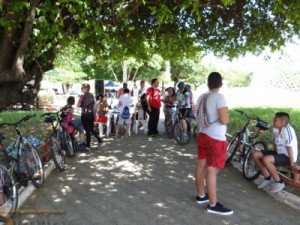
x,y
243,142
61,142
24,165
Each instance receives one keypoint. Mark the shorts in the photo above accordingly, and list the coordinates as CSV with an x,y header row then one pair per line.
x,y
185,112
121,121
77,125
280,159
214,151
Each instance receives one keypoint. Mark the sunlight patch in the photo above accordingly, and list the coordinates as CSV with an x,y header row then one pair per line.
x,y
160,205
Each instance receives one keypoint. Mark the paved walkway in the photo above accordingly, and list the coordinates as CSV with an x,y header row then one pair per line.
x,y
145,181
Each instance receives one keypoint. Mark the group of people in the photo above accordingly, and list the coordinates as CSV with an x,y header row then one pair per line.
x,y
212,115
85,125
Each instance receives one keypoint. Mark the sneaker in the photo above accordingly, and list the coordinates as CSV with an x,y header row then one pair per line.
x,y
200,200
276,186
265,183
99,139
219,209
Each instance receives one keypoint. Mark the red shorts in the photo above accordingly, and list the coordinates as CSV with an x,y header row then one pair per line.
x,y
214,151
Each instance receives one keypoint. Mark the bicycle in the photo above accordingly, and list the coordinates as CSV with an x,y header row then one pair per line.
x,y
181,136
61,142
244,142
24,165
172,111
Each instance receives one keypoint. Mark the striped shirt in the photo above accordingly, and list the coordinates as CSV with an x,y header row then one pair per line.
x,y
287,137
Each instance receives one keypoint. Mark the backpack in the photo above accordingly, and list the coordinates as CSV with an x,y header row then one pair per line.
x,y
202,117
144,102
125,113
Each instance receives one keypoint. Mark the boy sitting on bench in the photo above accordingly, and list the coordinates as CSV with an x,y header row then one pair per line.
x,y
285,153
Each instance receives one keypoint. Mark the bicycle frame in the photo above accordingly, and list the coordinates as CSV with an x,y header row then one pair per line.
x,y
14,164
244,138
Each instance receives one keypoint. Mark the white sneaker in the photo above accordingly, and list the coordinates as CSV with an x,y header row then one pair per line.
x,y
265,183
277,187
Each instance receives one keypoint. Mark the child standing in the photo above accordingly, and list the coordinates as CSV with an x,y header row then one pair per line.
x,y
125,101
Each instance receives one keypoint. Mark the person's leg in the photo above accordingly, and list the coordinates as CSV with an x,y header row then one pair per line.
x,y
258,159
91,124
211,184
86,127
151,123
78,126
156,120
271,162
127,130
200,174
201,170
117,130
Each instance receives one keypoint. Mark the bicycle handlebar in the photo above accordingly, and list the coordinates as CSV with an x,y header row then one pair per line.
x,y
246,115
57,112
262,122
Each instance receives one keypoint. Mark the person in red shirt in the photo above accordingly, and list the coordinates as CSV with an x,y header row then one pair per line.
x,y
153,102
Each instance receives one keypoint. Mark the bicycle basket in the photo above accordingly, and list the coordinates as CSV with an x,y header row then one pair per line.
x,y
262,125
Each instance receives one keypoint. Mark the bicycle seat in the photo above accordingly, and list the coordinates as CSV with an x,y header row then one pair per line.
x,y
50,119
262,125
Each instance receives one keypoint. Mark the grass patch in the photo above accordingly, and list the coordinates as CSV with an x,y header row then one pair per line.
x,y
35,126
266,114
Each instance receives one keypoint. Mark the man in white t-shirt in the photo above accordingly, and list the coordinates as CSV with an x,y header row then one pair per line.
x,y
212,118
125,101
286,152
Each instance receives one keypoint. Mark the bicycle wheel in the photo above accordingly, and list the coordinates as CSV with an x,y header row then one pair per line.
x,y
67,143
34,165
170,128
8,193
250,171
75,144
57,154
232,147
179,135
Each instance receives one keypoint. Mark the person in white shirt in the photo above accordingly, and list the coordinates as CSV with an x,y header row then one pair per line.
x,y
125,101
285,153
212,118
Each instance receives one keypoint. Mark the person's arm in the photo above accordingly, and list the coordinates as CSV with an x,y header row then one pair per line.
x,y
148,103
223,115
79,101
291,155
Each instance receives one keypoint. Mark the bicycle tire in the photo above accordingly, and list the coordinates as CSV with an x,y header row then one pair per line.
x,y
8,194
170,129
232,147
57,154
250,170
75,144
67,143
35,167
179,136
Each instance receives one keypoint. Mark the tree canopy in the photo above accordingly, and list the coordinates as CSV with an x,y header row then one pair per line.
x,y
33,32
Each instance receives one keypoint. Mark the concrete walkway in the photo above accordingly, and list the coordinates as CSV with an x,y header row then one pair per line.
x,y
145,181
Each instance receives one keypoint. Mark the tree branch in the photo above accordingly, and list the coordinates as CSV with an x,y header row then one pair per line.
x,y
19,59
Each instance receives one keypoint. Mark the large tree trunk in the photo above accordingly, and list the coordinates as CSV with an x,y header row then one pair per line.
x,y
13,47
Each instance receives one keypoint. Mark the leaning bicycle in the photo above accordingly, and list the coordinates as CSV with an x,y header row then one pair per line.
x,y
60,141
24,165
242,144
